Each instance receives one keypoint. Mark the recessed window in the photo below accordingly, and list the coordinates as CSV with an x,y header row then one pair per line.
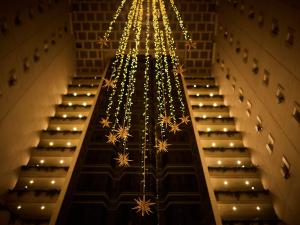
x,y
238,47
296,112
258,126
279,94
266,77
275,27
241,95
255,67
245,55
251,13
285,167
222,65
270,144
231,39
228,74
290,36
225,34
248,110
260,19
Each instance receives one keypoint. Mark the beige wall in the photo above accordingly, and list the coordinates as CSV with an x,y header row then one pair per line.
x,y
282,62
26,105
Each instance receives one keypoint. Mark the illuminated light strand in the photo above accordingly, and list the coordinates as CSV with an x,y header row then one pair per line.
x,y
157,54
167,78
180,21
120,54
171,50
146,100
112,22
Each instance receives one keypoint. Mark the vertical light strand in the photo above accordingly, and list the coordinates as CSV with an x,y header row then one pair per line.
x,y
172,53
121,53
112,22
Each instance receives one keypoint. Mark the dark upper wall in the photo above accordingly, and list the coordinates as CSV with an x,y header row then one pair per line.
x,y
36,60
91,19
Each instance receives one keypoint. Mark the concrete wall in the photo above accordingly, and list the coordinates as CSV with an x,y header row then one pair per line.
x,y
36,61
237,27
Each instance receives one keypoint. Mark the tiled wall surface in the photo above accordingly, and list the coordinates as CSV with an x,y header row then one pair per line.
x,y
36,61
257,65
91,18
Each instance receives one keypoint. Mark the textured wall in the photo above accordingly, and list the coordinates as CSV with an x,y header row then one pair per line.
x,y
91,19
36,60
258,69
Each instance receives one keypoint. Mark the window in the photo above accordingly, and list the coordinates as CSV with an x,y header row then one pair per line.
x,y
279,94
238,47
260,19
255,67
241,95
245,55
289,39
296,112
248,110
270,144
258,126
266,77
275,27
251,13
285,167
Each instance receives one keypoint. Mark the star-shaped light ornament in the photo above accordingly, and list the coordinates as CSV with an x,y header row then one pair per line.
x,y
111,138
123,159
164,119
184,119
122,133
179,70
143,206
190,44
109,83
105,122
174,128
103,42
162,146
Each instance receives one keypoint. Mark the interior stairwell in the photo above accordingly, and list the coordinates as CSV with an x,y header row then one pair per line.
x,y
42,180
235,180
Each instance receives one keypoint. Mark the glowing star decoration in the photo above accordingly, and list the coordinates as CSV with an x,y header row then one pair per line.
x,y
184,119
143,206
190,44
122,133
174,128
123,160
165,119
112,138
103,42
162,146
109,83
179,70
105,122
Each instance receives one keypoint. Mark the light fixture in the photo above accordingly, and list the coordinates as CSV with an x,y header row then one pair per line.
x,y
252,188
75,94
213,144
52,181
211,94
195,85
42,161
231,144
208,129
225,129
68,143
26,187
70,104
61,161
58,128
79,85
219,116
65,116
51,143
234,208
225,182
80,116
204,116
74,128
200,104
88,94
219,162
247,182
19,207
207,85
238,162
197,94
31,181
84,104
257,208
215,104
42,207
